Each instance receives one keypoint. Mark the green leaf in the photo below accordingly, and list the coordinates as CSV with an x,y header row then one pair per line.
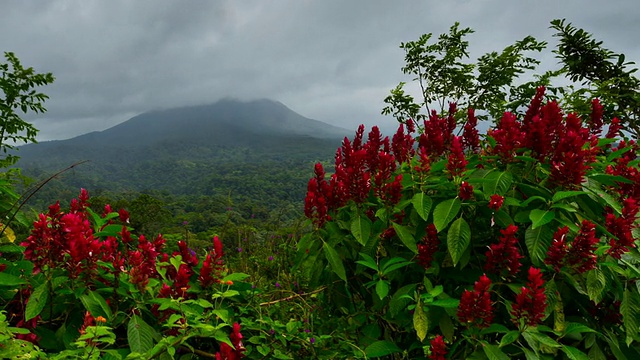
x,y
541,217
398,301
493,352
406,237
37,301
96,305
394,264
577,328
509,337
361,228
235,277
445,303
630,314
382,288
139,335
10,280
573,353
381,348
368,262
445,212
334,260
596,283
566,194
458,239
498,182
538,241
422,203
420,321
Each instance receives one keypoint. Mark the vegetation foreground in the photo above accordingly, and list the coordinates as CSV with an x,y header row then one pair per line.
x,y
436,243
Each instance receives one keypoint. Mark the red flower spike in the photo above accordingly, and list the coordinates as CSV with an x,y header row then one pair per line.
x,y
428,246
466,191
621,228
438,348
531,302
558,249
470,137
595,120
495,202
475,306
457,162
614,129
509,137
504,257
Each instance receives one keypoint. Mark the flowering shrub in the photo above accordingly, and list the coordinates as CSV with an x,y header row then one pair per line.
x,y
519,244
87,287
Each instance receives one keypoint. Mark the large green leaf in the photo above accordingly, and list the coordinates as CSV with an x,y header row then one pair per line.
x,y
538,241
96,305
596,283
566,194
422,203
382,289
445,212
361,228
458,239
420,321
406,237
10,280
493,352
37,301
140,335
334,260
573,353
629,308
541,217
497,182
381,348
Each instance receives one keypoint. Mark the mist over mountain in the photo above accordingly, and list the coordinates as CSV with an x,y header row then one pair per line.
x,y
208,149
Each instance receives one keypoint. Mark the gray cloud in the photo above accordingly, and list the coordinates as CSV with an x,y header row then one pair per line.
x,y
330,60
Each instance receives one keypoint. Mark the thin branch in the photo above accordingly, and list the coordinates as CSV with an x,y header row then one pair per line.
x,y
295,295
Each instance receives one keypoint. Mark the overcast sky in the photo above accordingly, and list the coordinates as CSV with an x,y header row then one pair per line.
x,y
332,61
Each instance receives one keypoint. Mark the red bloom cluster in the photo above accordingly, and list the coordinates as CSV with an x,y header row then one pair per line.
x,y
623,168
212,265
466,191
64,240
457,162
360,168
621,228
437,133
504,257
509,137
532,301
470,138
580,254
495,202
475,306
595,120
232,353
428,246
438,348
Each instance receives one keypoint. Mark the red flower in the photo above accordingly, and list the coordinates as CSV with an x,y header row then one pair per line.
x,y
509,137
531,302
232,353
495,202
504,256
428,247
558,249
466,191
470,137
438,348
475,306
457,162
595,120
621,228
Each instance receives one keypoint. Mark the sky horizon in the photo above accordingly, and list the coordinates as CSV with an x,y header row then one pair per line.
x,y
327,60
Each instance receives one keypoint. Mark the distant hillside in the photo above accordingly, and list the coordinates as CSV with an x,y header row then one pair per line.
x,y
248,149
